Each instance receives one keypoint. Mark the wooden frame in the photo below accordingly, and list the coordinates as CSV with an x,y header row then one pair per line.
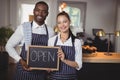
x,y
43,57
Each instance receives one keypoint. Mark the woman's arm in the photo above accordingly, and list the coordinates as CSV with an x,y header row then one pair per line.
x,y
78,56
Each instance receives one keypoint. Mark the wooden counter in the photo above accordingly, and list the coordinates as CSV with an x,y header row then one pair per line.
x,y
100,67
99,57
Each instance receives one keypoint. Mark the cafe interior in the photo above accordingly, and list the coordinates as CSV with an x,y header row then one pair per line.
x,y
95,22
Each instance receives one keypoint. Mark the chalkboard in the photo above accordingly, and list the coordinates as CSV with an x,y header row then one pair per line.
x,y
43,57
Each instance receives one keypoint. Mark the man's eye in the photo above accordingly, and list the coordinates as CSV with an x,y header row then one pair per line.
x,y
36,9
44,11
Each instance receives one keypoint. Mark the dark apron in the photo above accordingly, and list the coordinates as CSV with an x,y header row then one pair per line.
x,y
37,39
65,72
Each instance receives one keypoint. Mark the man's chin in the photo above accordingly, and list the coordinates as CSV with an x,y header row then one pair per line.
x,y
39,20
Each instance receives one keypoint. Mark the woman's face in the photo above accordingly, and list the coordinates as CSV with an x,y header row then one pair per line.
x,y
63,23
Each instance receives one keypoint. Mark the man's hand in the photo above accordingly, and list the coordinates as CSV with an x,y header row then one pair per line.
x,y
24,65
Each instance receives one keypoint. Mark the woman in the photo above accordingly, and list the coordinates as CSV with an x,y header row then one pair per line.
x,y
70,52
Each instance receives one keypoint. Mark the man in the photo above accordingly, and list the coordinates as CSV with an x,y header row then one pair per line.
x,y
30,33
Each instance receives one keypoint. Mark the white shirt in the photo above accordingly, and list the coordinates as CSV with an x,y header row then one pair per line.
x,y
18,37
78,48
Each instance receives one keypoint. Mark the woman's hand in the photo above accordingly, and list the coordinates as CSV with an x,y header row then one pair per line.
x,y
49,70
61,54
24,65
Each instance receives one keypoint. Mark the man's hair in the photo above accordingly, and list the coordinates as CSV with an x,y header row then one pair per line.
x,y
42,2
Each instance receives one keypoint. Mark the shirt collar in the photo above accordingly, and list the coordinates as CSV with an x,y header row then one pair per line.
x,y
35,25
59,37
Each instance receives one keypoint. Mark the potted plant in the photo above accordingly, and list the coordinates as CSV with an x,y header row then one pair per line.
x,y
5,33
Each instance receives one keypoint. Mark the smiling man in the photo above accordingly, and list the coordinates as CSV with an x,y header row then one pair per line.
x,y
30,33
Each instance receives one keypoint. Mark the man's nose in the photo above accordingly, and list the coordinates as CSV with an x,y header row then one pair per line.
x,y
39,12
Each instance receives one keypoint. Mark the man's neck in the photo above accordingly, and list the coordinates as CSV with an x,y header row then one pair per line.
x,y
40,23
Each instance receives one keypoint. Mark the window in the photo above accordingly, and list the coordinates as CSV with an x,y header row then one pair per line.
x,y
74,14
77,12
26,12
25,9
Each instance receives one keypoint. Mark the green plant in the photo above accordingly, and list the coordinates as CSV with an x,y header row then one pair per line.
x,y
5,33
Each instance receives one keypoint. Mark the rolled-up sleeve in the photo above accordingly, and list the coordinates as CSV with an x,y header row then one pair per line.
x,y
78,53
13,41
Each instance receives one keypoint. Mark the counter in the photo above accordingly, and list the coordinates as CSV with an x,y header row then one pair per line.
x,y
100,57
100,67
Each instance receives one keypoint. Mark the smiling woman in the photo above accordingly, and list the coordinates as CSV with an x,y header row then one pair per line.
x,y
76,11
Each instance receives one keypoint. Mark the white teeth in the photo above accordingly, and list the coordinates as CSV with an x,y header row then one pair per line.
x,y
39,17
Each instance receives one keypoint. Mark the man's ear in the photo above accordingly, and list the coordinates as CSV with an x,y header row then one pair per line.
x,y
47,13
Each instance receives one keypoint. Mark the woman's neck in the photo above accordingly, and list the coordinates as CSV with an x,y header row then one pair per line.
x,y
64,36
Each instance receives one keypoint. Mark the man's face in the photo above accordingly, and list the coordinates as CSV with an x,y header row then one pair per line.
x,y
40,13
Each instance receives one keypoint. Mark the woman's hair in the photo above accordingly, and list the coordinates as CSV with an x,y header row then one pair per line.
x,y
65,14
70,32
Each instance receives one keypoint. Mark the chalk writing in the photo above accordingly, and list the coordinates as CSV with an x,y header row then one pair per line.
x,y
42,55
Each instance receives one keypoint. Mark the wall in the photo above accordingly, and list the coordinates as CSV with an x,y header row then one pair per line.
x,y
8,13
118,28
4,13
99,14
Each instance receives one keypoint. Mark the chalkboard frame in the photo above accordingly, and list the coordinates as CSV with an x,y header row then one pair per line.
x,y
42,68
